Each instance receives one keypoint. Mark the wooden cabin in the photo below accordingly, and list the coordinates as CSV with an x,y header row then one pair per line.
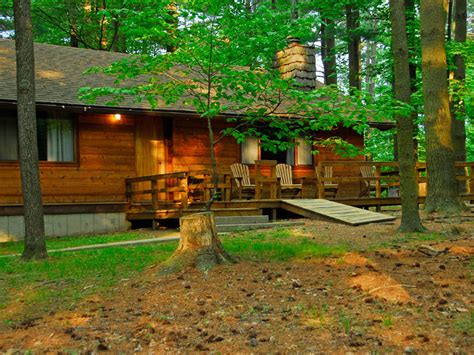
x,y
87,151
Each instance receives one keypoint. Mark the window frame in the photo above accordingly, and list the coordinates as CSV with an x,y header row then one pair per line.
x,y
295,155
51,114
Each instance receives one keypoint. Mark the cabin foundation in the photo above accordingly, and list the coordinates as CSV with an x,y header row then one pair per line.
x,y
12,228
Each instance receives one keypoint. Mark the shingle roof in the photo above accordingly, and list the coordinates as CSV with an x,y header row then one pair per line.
x,y
59,73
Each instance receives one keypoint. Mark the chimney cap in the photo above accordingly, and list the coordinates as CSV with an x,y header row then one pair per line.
x,y
293,39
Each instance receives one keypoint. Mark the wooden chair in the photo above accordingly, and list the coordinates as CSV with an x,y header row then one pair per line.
x,y
368,172
330,188
241,177
327,173
370,184
285,174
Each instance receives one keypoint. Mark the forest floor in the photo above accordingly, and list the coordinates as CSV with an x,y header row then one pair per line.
x,y
321,287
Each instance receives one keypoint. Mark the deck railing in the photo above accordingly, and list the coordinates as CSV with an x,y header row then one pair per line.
x,y
182,188
385,177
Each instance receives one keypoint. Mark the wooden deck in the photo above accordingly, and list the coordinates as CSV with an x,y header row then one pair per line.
x,y
170,196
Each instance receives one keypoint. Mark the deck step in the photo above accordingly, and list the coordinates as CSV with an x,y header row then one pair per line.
x,y
221,220
228,212
227,228
172,213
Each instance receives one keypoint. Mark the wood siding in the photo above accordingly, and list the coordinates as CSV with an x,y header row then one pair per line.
x,y
106,156
190,146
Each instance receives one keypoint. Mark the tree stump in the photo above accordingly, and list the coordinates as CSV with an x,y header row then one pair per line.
x,y
199,245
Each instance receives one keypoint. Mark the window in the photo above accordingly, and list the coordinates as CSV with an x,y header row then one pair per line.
x,y
304,154
8,138
56,138
299,154
249,150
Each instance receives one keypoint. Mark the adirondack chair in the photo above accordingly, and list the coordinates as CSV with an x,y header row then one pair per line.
x,y
330,188
326,174
368,172
241,178
285,174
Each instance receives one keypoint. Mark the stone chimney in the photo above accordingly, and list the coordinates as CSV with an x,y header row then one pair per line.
x,y
299,62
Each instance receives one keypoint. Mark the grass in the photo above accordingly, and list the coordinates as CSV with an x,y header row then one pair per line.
x,y
278,245
345,321
65,278
36,287
466,324
69,242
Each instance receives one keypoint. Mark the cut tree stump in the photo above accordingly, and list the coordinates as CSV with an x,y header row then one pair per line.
x,y
199,245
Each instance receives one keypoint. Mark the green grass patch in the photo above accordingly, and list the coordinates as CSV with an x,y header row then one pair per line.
x,y
64,278
69,242
277,245
466,324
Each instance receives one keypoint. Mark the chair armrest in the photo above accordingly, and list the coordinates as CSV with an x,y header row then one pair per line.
x,y
239,181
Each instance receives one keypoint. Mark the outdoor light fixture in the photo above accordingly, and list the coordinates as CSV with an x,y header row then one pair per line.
x,y
118,116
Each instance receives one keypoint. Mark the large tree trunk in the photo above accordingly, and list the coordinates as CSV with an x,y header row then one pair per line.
x,y
413,45
199,245
442,193
408,185
35,246
459,76
352,24
328,55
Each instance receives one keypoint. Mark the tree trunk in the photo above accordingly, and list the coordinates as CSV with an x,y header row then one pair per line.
x,y
442,195
449,20
103,37
72,15
328,55
172,29
413,44
408,185
199,245
459,76
35,246
352,23
294,11
371,61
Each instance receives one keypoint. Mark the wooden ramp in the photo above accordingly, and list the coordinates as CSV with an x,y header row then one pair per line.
x,y
319,208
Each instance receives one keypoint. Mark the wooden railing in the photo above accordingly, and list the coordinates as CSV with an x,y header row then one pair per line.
x,y
385,176
183,188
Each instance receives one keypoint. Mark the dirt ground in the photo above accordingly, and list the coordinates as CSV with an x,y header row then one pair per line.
x,y
387,295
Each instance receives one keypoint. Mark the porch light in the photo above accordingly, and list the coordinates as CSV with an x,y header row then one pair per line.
x,y
117,116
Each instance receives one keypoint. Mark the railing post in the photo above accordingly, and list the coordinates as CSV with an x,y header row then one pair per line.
x,y
227,187
129,192
319,174
184,191
154,193
378,186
